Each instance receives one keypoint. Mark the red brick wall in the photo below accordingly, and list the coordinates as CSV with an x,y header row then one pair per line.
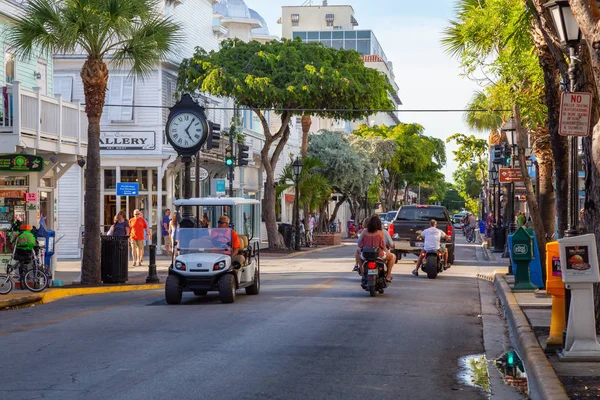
x,y
328,239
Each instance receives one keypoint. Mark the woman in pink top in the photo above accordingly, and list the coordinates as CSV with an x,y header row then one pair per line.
x,y
373,238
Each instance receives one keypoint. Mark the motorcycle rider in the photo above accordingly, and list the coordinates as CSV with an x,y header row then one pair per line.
x,y
432,242
374,226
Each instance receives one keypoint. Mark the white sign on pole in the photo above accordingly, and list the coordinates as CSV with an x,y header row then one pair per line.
x,y
575,114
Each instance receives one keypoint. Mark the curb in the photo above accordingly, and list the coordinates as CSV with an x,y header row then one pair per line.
x,y
543,381
50,295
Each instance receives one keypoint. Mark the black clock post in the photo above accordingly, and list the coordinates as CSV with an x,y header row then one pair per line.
x,y
187,131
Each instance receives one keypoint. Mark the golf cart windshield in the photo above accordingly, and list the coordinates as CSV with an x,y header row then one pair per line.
x,y
200,240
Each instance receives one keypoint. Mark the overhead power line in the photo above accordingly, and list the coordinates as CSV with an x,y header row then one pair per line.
x,y
323,109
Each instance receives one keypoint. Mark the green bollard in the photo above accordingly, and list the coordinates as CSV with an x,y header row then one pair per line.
x,y
522,253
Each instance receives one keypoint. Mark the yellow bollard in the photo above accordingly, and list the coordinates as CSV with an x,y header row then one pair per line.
x,y
556,288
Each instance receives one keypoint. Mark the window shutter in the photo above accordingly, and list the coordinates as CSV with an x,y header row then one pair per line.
x,y
127,99
114,97
63,85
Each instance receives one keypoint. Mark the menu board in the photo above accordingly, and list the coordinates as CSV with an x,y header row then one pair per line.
x,y
578,259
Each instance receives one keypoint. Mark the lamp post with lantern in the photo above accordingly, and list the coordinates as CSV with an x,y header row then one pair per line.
x,y
297,171
570,36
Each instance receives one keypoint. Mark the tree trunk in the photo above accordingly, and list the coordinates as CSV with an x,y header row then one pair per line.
x,y
94,75
306,123
337,208
547,194
531,203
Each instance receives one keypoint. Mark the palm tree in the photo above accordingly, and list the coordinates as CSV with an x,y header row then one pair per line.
x,y
130,34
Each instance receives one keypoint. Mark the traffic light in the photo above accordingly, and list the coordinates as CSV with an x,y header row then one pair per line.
x,y
498,154
507,155
242,154
214,136
229,160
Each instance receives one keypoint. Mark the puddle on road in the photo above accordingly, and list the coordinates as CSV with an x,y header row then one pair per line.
x,y
475,373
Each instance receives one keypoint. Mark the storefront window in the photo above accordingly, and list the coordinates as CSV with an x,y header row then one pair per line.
x,y
155,179
110,179
136,175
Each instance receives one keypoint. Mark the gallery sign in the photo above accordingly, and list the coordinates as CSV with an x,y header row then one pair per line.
x,y
128,140
21,163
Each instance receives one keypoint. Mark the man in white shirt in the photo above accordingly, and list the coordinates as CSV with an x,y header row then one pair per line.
x,y
311,222
432,242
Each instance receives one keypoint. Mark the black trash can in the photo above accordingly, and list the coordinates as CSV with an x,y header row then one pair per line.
x,y
499,239
114,263
286,232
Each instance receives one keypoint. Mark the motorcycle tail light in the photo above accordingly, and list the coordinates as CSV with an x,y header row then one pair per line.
x,y
449,230
391,229
371,265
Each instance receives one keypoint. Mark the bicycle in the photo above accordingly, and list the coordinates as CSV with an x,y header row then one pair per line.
x,y
470,235
34,279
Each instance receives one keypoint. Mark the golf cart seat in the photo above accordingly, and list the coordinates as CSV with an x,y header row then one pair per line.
x,y
243,241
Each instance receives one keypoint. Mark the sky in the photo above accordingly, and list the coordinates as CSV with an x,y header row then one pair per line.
x,y
409,33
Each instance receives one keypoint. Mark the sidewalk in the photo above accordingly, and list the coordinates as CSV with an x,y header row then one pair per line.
x,y
529,316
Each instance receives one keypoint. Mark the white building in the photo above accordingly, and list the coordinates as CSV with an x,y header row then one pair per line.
x,y
335,26
133,144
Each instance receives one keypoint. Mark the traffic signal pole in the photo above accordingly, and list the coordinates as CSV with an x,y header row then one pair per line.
x,y
232,165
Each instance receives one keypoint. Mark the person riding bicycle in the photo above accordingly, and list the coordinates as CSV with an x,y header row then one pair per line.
x,y
432,242
471,224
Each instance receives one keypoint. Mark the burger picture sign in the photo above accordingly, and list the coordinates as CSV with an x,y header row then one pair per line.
x,y
578,259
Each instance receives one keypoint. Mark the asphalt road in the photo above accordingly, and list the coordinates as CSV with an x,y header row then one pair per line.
x,y
312,333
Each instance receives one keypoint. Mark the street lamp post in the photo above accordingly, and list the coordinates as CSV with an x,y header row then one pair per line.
x,y
297,171
570,36
498,245
509,128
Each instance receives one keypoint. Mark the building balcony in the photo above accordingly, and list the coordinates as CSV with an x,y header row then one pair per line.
x,y
31,120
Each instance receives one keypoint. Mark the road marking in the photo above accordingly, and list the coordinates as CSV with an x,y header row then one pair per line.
x,y
67,317
320,286
316,285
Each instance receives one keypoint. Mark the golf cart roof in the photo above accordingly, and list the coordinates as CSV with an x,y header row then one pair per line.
x,y
214,201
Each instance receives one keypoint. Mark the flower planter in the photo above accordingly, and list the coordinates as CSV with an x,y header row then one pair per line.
x,y
328,238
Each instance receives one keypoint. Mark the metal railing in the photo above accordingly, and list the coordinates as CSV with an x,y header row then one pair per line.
x,y
43,118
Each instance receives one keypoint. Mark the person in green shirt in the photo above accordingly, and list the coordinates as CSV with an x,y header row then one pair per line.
x,y
521,219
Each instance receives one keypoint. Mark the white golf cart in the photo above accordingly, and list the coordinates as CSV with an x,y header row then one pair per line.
x,y
206,258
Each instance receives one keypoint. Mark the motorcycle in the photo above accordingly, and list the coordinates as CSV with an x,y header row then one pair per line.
x,y
373,272
433,263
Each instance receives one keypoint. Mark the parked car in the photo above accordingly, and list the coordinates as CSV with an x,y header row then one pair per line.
x,y
411,221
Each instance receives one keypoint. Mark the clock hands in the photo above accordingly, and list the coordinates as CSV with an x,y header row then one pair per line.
x,y
186,129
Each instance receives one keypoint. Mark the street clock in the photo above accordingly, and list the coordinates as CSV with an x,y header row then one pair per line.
x,y
187,127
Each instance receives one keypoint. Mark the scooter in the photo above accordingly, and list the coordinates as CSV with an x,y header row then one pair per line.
x,y
373,272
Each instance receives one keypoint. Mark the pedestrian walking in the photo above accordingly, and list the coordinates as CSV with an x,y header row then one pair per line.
x,y
521,219
121,225
165,231
139,227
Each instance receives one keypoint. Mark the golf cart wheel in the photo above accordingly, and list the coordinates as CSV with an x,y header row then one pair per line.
x,y
255,287
227,289
200,292
173,290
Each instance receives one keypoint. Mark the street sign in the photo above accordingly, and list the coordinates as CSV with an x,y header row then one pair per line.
x,y
203,174
508,175
127,188
220,186
575,114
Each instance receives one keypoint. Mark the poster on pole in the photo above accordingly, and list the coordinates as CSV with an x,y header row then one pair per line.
x,y
575,114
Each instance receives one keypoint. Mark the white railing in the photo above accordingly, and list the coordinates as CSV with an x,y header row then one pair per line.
x,y
43,118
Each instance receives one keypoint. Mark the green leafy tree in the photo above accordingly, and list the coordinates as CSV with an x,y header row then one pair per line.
x,y
132,33
418,158
349,171
453,201
288,76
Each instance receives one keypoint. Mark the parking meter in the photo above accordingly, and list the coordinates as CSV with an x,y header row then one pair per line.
x,y
521,252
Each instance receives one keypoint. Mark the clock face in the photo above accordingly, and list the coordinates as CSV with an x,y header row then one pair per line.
x,y
186,130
